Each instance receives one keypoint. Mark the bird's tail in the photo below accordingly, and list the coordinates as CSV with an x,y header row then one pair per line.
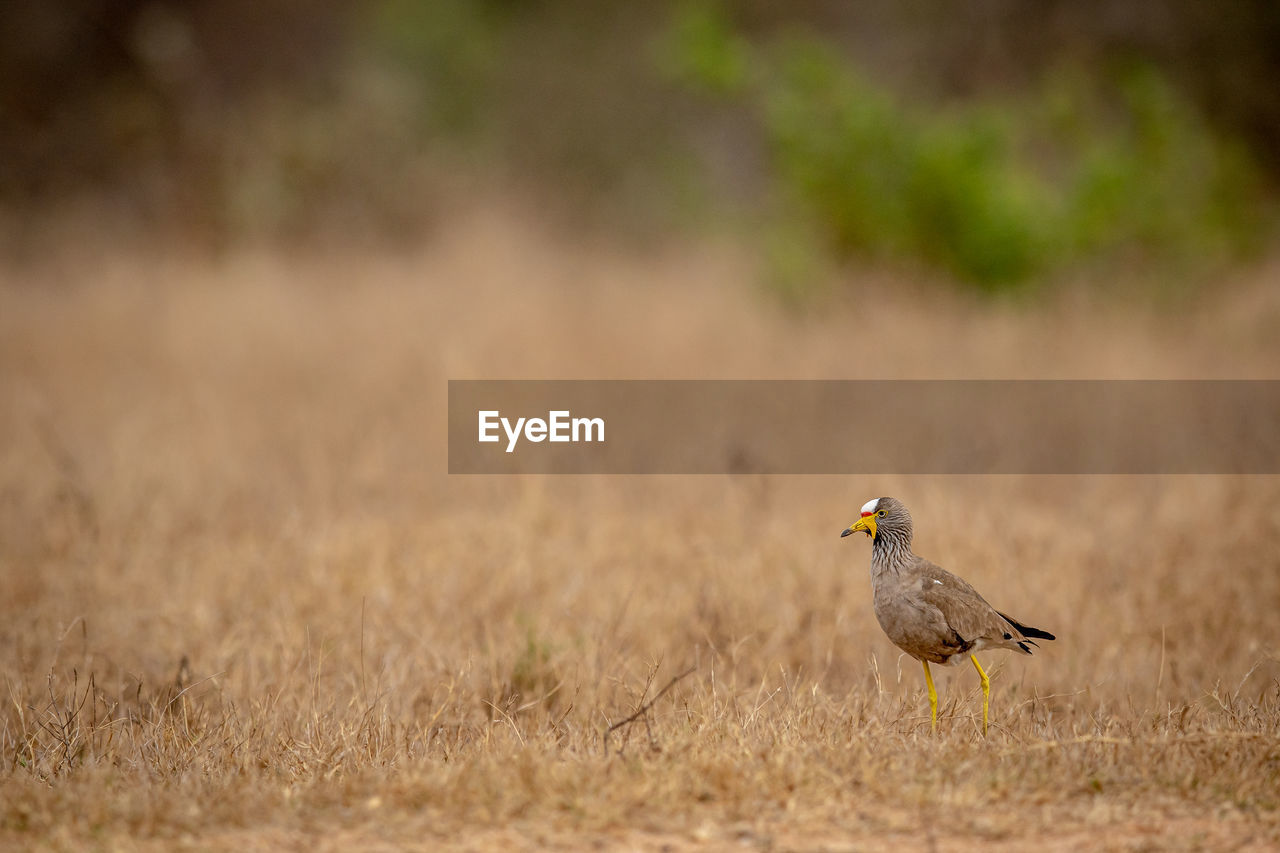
x,y
1028,632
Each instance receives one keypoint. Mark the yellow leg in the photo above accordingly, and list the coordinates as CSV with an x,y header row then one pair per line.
x,y
986,692
933,698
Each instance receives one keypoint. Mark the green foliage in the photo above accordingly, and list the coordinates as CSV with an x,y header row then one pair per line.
x,y
702,51
995,194
451,49
1157,180
885,182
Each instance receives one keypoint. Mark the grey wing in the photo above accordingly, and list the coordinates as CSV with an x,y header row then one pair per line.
x,y
966,612
918,627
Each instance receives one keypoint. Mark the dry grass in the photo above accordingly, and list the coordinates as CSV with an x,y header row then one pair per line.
x,y
245,609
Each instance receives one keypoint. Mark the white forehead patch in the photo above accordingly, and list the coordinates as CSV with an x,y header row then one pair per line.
x,y
870,506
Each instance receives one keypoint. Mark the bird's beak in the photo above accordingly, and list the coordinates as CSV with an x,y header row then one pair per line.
x,y
866,524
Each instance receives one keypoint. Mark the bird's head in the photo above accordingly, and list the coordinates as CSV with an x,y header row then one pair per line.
x,y
882,516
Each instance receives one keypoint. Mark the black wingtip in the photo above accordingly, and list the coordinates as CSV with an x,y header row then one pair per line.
x,y
1027,630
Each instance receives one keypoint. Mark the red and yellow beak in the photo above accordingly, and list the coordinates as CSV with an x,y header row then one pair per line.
x,y
866,524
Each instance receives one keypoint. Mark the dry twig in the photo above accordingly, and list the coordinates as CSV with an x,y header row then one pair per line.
x,y
643,710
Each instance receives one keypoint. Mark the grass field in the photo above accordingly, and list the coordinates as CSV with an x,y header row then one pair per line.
x,y
245,608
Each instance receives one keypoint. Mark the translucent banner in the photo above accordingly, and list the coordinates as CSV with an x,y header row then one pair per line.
x,y
864,427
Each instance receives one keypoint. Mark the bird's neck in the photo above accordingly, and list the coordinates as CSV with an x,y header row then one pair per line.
x,y
890,554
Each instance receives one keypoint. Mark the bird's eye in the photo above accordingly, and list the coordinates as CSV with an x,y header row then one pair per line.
x,y
882,513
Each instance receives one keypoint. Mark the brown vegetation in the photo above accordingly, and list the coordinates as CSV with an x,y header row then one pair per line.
x,y
245,608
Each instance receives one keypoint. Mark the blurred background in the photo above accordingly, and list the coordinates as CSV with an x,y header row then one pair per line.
x,y
997,146
244,245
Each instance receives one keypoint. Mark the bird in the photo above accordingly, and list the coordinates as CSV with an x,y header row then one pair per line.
x,y
929,613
